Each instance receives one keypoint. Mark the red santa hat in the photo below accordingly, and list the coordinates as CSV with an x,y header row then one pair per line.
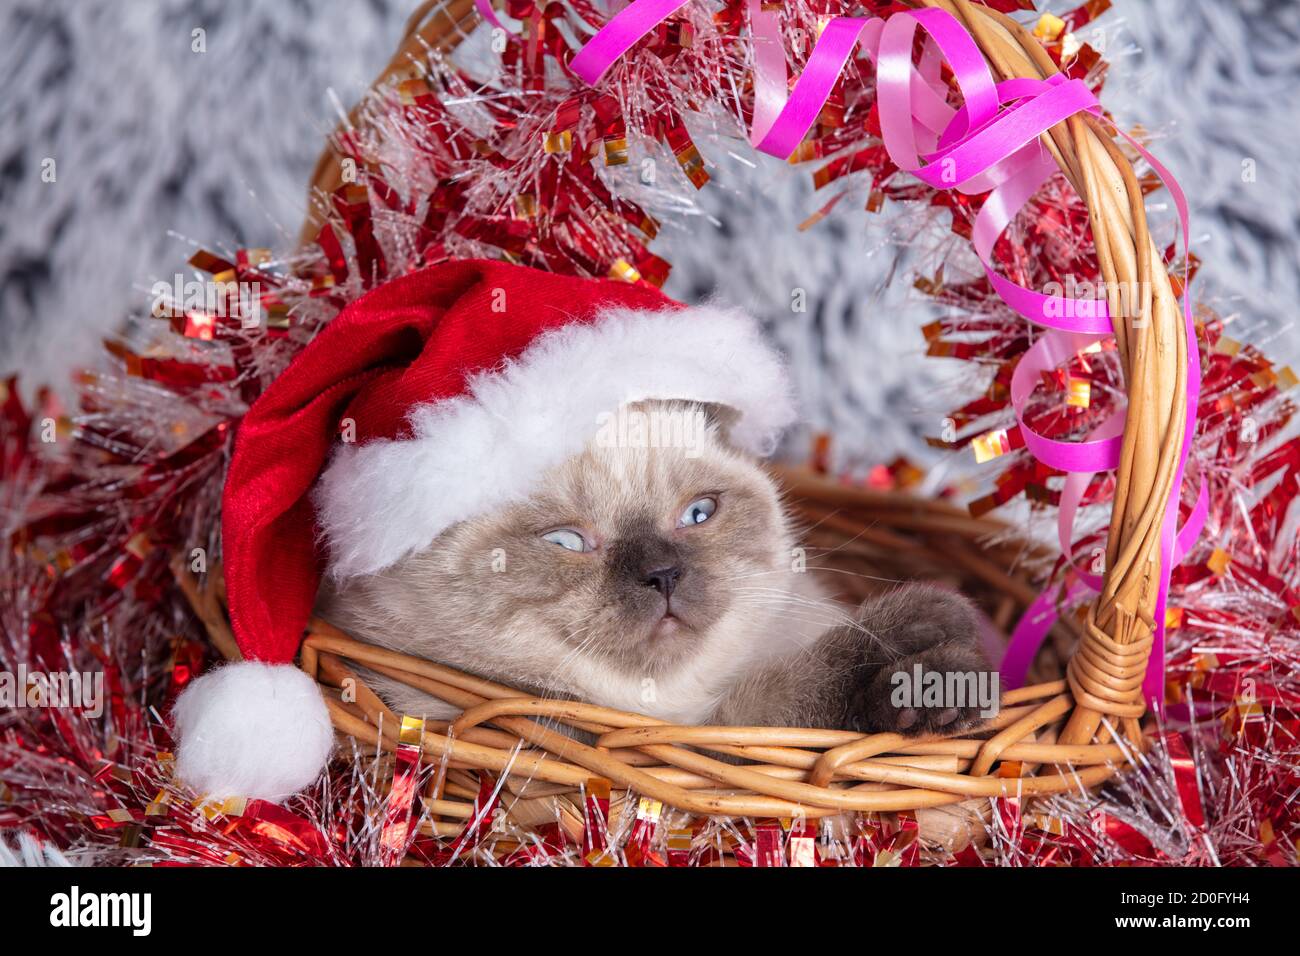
x,y
437,397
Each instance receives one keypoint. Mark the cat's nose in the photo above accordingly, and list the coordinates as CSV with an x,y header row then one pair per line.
x,y
663,580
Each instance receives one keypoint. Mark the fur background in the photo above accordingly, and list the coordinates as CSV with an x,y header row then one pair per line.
x,y
158,148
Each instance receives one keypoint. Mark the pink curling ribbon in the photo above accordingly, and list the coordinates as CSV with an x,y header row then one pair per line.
x,y
486,11
992,142
1034,625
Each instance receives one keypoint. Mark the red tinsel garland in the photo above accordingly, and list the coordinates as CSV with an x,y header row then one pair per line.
x,y
98,502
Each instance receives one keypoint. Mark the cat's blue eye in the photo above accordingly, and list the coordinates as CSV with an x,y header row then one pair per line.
x,y
565,538
697,512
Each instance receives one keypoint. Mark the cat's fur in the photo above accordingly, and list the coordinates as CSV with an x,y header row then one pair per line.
x,y
755,640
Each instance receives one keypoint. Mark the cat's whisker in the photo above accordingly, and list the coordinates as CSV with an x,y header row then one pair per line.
x,y
806,620
593,634
803,528
809,614
782,572
774,598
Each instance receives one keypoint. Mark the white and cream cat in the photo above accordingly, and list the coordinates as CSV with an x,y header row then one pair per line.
x,y
659,578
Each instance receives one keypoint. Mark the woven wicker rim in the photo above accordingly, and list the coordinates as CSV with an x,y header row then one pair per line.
x,y
805,771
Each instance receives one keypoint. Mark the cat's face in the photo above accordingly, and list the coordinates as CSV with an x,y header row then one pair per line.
x,y
635,553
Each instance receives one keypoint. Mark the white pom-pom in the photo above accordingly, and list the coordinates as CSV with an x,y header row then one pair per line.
x,y
252,730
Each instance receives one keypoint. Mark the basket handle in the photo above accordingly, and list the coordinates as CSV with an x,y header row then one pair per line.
x,y
1107,669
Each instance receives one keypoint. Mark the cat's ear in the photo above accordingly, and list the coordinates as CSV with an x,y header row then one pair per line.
x,y
721,419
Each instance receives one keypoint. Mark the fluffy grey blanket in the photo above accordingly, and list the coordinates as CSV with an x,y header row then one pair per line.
x,y
156,147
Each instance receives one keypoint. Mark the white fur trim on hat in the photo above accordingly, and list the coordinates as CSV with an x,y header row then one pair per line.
x,y
380,501
252,730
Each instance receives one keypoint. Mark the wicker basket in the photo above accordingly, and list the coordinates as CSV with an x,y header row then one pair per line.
x,y
1051,737
785,772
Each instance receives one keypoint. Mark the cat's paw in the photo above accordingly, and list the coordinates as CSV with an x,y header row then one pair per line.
x,y
942,690
935,680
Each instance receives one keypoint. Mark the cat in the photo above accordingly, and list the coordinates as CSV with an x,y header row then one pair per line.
x,y
659,577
